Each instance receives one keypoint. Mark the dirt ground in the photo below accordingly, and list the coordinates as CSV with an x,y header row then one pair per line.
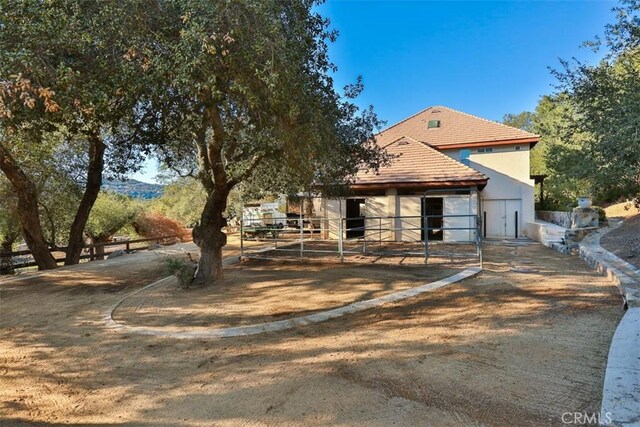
x,y
357,251
624,241
259,291
520,344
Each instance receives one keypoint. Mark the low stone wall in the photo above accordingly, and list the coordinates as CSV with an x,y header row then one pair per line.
x,y
563,219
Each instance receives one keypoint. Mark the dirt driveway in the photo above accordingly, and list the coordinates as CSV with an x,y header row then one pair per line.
x,y
520,344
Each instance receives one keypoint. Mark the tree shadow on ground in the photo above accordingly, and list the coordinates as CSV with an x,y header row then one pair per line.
x,y
503,348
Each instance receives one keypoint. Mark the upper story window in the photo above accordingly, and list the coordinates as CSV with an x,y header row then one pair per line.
x,y
433,124
485,150
465,153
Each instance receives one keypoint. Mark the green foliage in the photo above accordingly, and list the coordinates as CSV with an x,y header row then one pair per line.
x,y
110,213
552,120
182,268
246,85
522,120
590,129
602,214
558,154
69,85
182,201
606,97
53,168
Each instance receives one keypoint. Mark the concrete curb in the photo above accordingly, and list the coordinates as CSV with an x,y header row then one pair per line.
x,y
621,390
281,325
620,272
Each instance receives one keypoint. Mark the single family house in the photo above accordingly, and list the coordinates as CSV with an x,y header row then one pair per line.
x,y
447,163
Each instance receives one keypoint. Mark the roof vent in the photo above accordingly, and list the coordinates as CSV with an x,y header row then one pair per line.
x,y
403,142
433,124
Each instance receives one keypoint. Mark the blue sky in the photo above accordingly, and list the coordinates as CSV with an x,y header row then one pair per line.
x,y
484,58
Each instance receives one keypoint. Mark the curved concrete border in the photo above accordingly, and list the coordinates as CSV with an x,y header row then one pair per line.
x,y
281,325
621,390
623,274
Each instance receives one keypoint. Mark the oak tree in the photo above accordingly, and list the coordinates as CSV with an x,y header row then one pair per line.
x,y
244,93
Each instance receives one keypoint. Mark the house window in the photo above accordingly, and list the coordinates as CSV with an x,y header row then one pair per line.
x,y
485,150
464,156
433,124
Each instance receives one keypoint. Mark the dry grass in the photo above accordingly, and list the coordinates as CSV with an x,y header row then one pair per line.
x,y
621,210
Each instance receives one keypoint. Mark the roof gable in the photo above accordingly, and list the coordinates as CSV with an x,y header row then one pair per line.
x,y
416,162
455,128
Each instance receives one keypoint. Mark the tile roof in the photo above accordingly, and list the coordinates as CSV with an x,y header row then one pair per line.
x,y
417,162
455,128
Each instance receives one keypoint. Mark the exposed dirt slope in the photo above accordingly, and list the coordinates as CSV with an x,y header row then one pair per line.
x,y
624,241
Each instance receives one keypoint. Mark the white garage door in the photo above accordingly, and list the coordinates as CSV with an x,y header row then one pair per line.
x,y
502,218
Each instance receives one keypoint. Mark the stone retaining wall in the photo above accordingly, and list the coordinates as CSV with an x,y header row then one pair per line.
x,y
563,219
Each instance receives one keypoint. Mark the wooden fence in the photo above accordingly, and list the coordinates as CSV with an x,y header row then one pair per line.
x,y
91,251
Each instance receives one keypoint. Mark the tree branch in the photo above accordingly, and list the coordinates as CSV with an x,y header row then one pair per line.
x,y
255,161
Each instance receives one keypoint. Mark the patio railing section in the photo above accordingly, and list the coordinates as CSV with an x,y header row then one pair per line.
x,y
451,236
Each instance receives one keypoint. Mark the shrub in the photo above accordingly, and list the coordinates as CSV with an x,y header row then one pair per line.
x,y
155,224
183,269
602,215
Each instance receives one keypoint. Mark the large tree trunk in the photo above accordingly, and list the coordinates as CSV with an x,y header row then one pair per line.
x,y
6,265
27,210
210,238
94,182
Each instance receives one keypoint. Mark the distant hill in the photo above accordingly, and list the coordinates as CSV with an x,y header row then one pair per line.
x,y
134,188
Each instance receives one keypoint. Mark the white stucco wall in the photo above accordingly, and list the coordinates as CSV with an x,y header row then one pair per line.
x,y
459,205
508,173
376,212
332,212
409,206
381,211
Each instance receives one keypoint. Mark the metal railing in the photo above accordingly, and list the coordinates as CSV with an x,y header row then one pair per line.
x,y
405,236
473,197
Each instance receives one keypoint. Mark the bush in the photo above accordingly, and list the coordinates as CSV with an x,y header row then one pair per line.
x,y
602,215
183,269
155,224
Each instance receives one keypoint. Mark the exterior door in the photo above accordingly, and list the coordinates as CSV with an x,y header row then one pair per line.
x,y
355,218
514,218
502,218
432,206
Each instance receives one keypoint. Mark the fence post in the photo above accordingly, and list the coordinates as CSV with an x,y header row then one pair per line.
x,y
340,232
425,227
241,240
364,237
301,229
340,249
479,240
127,246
